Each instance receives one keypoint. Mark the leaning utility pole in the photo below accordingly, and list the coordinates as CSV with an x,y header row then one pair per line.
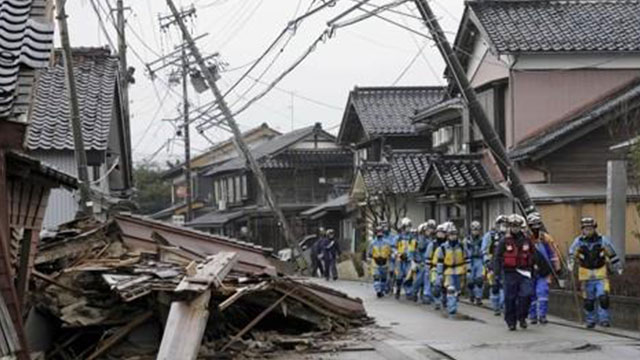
x,y
241,146
187,141
81,156
475,109
125,80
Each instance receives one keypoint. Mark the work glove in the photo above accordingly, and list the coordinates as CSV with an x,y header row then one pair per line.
x,y
619,271
570,265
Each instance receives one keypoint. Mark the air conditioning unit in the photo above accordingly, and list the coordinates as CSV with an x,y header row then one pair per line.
x,y
177,219
222,205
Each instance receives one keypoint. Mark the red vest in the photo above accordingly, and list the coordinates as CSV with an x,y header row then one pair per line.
x,y
517,257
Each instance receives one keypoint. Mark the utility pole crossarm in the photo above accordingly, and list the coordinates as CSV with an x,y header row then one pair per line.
x,y
475,109
241,146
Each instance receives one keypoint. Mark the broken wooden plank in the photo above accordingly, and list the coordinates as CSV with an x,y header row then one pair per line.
x,y
8,335
255,321
52,281
187,320
119,334
211,273
238,294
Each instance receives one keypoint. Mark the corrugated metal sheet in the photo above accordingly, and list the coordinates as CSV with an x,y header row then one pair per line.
x,y
62,206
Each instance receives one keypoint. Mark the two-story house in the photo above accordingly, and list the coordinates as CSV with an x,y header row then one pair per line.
x,y
304,168
104,131
558,80
201,185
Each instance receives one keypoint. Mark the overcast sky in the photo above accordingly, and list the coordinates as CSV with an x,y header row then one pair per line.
x,y
372,52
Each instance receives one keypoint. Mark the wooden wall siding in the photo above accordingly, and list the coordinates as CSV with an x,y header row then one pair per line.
x,y
303,186
582,161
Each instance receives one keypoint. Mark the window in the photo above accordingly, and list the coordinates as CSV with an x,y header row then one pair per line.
x,y
238,189
245,194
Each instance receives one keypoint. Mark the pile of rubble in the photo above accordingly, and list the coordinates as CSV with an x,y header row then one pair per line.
x,y
134,288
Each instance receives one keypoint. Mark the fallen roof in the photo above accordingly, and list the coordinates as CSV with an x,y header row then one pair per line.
x,y
578,123
96,73
388,110
270,148
517,26
402,174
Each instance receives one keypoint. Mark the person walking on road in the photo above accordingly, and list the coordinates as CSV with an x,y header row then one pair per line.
x,y
402,255
421,286
592,252
473,244
379,253
546,263
317,262
452,267
391,241
432,262
490,243
331,255
515,255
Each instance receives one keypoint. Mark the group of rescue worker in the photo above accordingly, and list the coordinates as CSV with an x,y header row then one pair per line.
x,y
325,252
516,259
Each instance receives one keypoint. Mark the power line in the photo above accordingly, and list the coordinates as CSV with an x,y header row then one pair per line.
x,y
410,64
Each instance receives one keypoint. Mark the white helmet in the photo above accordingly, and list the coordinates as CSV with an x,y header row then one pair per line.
x,y
405,223
516,220
422,227
451,228
442,228
475,225
431,224
501,219
534,220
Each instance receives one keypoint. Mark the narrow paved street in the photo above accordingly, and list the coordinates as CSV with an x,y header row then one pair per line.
x,y
419,332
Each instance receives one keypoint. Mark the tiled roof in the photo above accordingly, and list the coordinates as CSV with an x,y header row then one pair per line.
x,y
560,26
96,74
388,110
460,172
333,204
573,125
23,41
270,147
40,168
443,107
404,173
309,159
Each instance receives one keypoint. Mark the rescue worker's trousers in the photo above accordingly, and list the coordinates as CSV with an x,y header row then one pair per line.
x,y
475,278
452,286
380,274
392,275
402,270
418,282
330,268
427,296
540,298
316,265
496,291
596,300
517,297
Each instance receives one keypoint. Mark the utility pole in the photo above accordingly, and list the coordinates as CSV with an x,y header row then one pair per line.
x,y
475,109
125,80
241,146
85,208
187,143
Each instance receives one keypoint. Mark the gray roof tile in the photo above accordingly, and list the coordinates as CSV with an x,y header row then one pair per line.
x,y
403,173
560,26
389,110
461,172
309,158
96,74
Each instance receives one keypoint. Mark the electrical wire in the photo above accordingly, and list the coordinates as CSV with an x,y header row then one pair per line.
x,y
410,64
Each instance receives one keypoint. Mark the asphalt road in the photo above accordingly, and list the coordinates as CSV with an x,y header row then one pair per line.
x,y
414,331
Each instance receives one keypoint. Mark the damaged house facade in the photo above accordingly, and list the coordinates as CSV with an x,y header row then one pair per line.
x,y
105,131
560,93
304,168
202,186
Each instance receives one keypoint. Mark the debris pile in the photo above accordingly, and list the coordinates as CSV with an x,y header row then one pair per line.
x,y
134,288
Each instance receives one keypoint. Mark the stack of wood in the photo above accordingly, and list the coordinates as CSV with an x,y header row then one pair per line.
x,y
98,294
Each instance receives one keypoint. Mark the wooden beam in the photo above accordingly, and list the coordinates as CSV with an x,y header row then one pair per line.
x,y
187,320
119,334
52,281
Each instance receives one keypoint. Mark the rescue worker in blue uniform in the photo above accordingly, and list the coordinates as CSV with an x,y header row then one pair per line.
x,y
432,262
593,252
489,244
415,241
473,244
331,255
546,263
422,284
379,253
515,255
402,255
452,267
391,241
